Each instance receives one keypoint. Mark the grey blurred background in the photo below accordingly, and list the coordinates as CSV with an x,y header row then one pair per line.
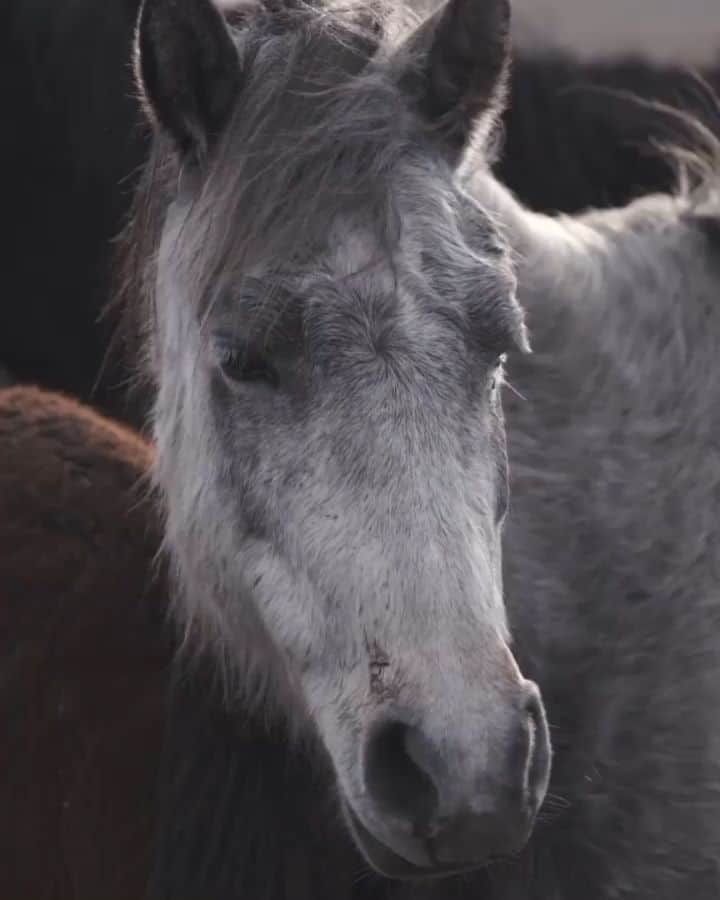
x,y
687,30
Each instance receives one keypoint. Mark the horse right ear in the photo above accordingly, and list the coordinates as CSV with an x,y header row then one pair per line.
x,y
455,67
188,70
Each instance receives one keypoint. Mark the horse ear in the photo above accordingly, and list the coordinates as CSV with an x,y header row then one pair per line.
x,y
456,67
188,70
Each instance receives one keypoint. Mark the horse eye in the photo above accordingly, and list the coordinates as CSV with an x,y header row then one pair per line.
x,y
245,364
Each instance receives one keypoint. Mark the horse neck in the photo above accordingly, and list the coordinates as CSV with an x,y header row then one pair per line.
x,y
615,422
645,272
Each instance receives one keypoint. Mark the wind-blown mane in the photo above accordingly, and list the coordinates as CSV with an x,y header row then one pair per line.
x,y
582,135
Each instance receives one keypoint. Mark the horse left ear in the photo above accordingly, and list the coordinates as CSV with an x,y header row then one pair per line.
x,y
456,67
188,70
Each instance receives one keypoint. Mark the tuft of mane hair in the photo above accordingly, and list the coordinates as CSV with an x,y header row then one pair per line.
x,y
580,135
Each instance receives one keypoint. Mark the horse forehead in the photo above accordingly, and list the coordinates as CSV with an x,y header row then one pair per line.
x,y
420,221
358,250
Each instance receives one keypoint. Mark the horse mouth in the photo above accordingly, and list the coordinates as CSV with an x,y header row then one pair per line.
x,y
390,864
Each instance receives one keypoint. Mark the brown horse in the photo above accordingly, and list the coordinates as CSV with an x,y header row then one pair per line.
x,y
100,742
84,662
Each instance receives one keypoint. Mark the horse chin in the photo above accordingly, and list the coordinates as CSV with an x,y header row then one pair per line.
x,y
389,863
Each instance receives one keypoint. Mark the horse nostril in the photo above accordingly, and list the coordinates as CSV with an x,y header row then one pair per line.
x,y
539,759
395,781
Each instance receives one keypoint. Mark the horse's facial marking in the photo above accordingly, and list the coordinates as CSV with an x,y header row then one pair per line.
x,y
330,310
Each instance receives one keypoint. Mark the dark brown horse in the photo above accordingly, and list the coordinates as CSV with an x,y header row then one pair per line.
x,y
84,661
103,748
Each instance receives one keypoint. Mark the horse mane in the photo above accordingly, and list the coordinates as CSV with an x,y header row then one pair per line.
x,y
688,143
581,135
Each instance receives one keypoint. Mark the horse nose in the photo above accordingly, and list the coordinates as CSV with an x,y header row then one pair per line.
x,y
398,781
461,814
539,753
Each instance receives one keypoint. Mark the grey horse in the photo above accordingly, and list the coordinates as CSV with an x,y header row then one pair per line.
x,y
326,278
